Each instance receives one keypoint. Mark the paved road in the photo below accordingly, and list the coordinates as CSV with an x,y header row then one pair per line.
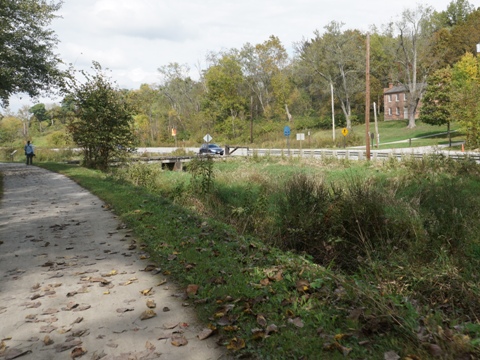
x,y
72,277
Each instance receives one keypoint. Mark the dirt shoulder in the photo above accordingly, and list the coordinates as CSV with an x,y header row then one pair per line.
x,y
73,280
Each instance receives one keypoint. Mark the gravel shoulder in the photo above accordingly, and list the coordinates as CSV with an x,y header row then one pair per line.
x,y
74,283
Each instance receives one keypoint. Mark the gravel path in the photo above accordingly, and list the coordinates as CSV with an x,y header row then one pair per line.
x,y
74,283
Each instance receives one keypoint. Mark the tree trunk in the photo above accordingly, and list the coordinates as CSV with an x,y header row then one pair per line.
x,y
289,116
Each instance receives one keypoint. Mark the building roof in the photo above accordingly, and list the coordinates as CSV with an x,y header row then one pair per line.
x,y
396,89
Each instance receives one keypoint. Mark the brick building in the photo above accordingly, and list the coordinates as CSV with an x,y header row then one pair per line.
x,y
395,103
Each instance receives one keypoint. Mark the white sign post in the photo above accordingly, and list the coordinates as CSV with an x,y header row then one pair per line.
x,y
207,138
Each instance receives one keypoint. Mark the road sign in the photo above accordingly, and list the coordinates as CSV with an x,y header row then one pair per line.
x,y
344,131
207,138
286,130
300,136
174,132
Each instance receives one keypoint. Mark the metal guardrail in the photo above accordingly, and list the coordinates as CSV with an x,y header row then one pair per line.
x,y
355,154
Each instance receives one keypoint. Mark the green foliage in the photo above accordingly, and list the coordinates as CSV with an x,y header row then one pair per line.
x,y
103,123
59,139
437,99
202,170
29,62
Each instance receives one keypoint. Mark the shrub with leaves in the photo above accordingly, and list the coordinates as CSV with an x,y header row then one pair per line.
x,y
103,122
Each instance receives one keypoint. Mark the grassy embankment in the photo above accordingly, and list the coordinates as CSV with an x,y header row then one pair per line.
x,y
385,255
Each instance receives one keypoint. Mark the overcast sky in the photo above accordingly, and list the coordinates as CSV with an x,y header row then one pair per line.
x,y
133,38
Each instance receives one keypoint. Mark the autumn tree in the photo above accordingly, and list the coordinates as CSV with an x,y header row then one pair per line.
x,y
103,122
337,58
183,95
261,64
28,62
436,102
414,43
224,100
151,108
466,97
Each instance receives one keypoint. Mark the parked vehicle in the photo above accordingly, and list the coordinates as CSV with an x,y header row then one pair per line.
x,y
210,149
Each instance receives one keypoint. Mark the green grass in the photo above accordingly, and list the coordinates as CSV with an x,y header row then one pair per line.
x,y
310,311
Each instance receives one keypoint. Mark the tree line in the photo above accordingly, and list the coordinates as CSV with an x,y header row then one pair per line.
x,y
431,54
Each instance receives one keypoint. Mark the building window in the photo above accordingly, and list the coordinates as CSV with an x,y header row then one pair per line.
x,y
389,98
389,111
405,97
397,97
397,111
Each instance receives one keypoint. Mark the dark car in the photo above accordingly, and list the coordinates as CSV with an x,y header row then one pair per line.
x,y
210,149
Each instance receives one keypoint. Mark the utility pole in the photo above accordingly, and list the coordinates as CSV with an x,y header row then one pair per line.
x,y
367,100
333,113
251,119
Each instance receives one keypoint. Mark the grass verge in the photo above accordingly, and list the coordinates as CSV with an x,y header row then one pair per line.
x,y
270,304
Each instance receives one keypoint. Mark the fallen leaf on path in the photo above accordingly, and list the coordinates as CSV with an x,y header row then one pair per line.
x,y
170,326
67,345
179,340
124,310
82,308
77,320
147,314
47,329
50,311
33,305
151,304
98,355
205,333
150,346
77,352
47,340
146,291
16,353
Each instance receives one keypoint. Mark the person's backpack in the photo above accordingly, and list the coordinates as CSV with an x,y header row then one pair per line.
x,y
28,149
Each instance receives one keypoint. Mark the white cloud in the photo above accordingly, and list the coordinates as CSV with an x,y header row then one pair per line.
x,y
134,38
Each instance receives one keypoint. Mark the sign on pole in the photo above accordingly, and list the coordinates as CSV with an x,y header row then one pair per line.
x,y
344,131
207,138
286,130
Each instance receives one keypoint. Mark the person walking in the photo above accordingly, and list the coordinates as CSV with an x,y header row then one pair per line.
x,y
29,153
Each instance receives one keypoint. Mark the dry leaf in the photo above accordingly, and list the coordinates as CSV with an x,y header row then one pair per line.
x,y
179,340
77,352
435,350
124,310
149,346
146,291
391,355
170,326
261,320
192,289
236,344
205,333
67,345
47,329
302,285
147,314
271,329
151,304
16,353
297,322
